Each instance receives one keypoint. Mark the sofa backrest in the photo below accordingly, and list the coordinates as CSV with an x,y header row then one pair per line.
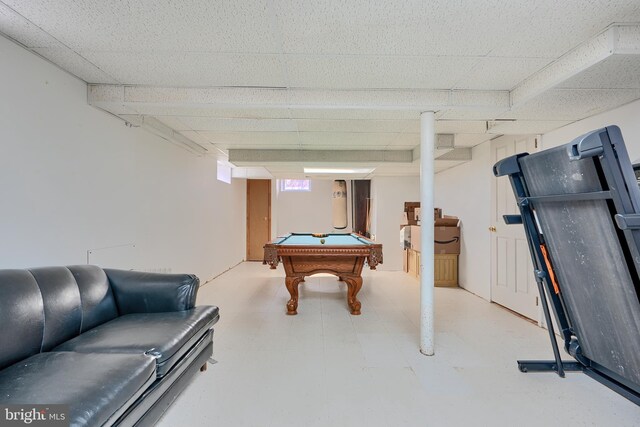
x,y
96,296
44,307
21,316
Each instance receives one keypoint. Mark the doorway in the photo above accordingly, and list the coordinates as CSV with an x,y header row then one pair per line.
x,y
258,217
512,280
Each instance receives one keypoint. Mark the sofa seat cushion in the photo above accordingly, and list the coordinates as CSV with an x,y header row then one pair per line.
x,y
165,336
98,387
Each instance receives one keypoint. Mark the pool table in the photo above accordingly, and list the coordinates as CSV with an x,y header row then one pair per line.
x,y
304,254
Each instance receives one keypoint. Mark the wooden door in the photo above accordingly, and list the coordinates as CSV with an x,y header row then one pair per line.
x,y
258,217
512,281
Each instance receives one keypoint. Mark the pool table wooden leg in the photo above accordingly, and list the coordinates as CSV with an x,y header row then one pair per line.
x,y
292,287
353,284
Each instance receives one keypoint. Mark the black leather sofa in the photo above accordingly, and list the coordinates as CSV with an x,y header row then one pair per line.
x,y
116,346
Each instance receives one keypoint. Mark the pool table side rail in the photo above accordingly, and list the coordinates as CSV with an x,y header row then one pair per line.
x,y
273,251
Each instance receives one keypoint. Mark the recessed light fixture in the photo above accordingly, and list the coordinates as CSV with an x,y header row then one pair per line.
x,y
339,170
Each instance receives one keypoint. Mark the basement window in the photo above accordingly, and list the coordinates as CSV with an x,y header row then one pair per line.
x,y
295,185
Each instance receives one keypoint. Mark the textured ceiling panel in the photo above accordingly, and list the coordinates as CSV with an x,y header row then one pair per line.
x,y
354,114
318,156
160,25
341,75
494,73
361,26
564,104
76,65
189,69
550,28
238,125
346,139
615,72
382,72
478,114
263,139
23,31
383,126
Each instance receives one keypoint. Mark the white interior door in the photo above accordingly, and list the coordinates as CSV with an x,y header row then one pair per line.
x,y
512,281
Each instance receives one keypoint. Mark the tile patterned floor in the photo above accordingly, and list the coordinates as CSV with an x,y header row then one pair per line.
x,y
325,367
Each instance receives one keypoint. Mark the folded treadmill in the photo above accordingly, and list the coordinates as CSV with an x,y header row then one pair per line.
x,y
580,208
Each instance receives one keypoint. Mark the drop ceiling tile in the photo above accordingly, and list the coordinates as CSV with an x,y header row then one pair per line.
x,y
494,73
615,72
548,28
77,65
341,147
473,114
253,138
384,126
189,69
161,25
23,31
375,71
239,124
346,139
437,27
353,114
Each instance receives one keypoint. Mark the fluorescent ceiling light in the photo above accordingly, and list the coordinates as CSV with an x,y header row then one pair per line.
x,y
336,170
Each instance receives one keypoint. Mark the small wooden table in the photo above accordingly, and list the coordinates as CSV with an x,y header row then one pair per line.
x,y
305,254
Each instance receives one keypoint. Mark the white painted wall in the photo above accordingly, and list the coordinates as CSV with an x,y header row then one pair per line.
x,y
627,118
73,178
465,191
306,211
388,196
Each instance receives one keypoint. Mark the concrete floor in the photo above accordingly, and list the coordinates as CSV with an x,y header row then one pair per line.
x,y
325,367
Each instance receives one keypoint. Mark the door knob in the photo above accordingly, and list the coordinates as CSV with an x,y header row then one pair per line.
x,y
492,229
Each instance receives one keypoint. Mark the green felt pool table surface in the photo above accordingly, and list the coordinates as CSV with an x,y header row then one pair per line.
x,y
330,239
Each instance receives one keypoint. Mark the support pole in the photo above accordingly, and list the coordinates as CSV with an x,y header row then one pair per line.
x,y
427,145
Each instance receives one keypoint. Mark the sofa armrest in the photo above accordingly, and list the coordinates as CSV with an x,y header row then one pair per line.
x,y
141,292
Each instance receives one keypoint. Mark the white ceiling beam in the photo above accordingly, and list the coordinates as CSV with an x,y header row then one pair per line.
x,y
617,39
247,157
158,128
462,153
117,98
